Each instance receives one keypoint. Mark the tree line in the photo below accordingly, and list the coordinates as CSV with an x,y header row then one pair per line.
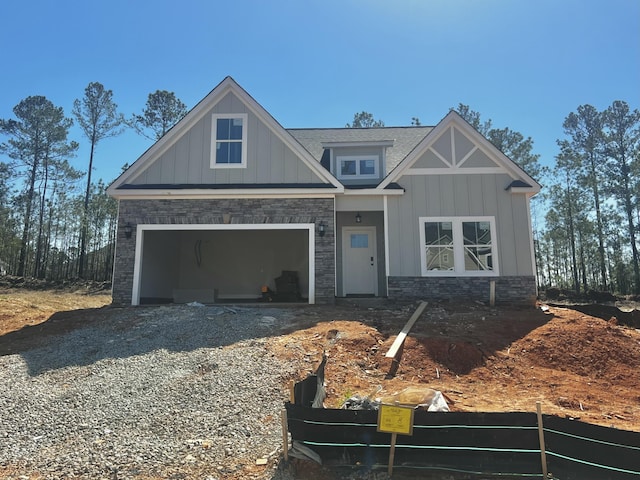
x,y
56,223
590,241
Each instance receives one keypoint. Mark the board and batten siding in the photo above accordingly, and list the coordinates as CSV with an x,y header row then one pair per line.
x,y
188,160
459,195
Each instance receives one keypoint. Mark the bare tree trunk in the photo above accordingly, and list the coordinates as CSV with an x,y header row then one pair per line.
x,y
572,240
84,226
600,228
39,272
582,262
27,218
47,250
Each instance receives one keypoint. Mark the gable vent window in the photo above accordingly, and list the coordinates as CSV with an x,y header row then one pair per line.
x,y
361,166
229,145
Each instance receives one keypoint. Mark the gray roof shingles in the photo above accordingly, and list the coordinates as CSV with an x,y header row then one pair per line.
x,y
404,139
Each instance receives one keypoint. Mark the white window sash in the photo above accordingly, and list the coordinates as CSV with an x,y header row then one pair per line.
x,y
214,140
357,159
458,248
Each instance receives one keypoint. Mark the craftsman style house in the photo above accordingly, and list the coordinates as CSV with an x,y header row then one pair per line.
x,y
229,205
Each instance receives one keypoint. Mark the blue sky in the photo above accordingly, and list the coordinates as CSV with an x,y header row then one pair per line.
x,y
524,64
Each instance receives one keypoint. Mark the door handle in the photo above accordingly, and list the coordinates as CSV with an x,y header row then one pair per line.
x,y
372,261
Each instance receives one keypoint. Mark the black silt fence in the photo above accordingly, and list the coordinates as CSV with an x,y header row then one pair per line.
x,y
580,450
476,443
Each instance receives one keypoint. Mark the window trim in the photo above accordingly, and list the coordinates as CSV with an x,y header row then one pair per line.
x,y
214,140
357,159
458,248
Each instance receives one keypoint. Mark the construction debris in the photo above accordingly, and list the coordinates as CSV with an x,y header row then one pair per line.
x,y
415,396
418,397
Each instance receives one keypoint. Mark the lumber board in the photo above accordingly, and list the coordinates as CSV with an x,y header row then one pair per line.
x,y
399,341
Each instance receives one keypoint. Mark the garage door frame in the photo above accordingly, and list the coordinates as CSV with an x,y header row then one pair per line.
x,y
142,228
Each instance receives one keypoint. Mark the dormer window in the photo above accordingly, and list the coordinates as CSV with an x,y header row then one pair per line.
x,y
360,166
229,141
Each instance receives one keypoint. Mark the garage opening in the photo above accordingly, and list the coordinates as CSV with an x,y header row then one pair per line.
x,y
224,263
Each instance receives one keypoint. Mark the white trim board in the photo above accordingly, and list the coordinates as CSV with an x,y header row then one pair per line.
x,y
214,140
142,228
459,247
142,194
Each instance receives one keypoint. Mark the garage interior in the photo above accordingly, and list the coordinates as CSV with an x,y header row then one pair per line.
x,y
224,266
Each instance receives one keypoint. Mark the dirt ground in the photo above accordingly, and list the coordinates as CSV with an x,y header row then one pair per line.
x,y
481,358
579,364
484,359
23,308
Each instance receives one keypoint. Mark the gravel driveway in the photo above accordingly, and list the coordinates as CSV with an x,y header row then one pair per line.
x,y
168,392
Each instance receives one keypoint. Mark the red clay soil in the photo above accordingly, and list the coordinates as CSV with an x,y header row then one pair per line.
x,y
483,359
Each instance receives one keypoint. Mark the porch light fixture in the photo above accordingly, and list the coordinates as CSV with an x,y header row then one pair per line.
x,y
321,229
128,230
358,218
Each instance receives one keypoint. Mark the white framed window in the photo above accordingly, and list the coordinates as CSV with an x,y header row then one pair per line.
x,y
357,166
458,246
229,140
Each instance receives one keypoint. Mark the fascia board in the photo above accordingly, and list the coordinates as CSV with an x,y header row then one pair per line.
x,y
526,190
373,191
364,143
132,194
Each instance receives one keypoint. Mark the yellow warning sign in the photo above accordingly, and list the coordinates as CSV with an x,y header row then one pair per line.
x,y
394,419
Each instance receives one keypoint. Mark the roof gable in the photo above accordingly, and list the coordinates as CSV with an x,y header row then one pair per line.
x,y
455,147
182,156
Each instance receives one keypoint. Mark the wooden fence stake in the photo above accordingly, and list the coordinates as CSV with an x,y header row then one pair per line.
x,y
392,453
543,455
285,435
292,392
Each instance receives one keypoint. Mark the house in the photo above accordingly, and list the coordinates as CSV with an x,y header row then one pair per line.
x,y
229,201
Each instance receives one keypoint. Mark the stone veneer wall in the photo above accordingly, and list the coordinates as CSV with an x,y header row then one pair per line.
x,y
509,290
242,211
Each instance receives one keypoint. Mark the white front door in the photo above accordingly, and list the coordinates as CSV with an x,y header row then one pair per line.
x,y
359,262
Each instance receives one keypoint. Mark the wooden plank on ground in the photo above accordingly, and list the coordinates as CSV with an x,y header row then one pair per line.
x,y
399,341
